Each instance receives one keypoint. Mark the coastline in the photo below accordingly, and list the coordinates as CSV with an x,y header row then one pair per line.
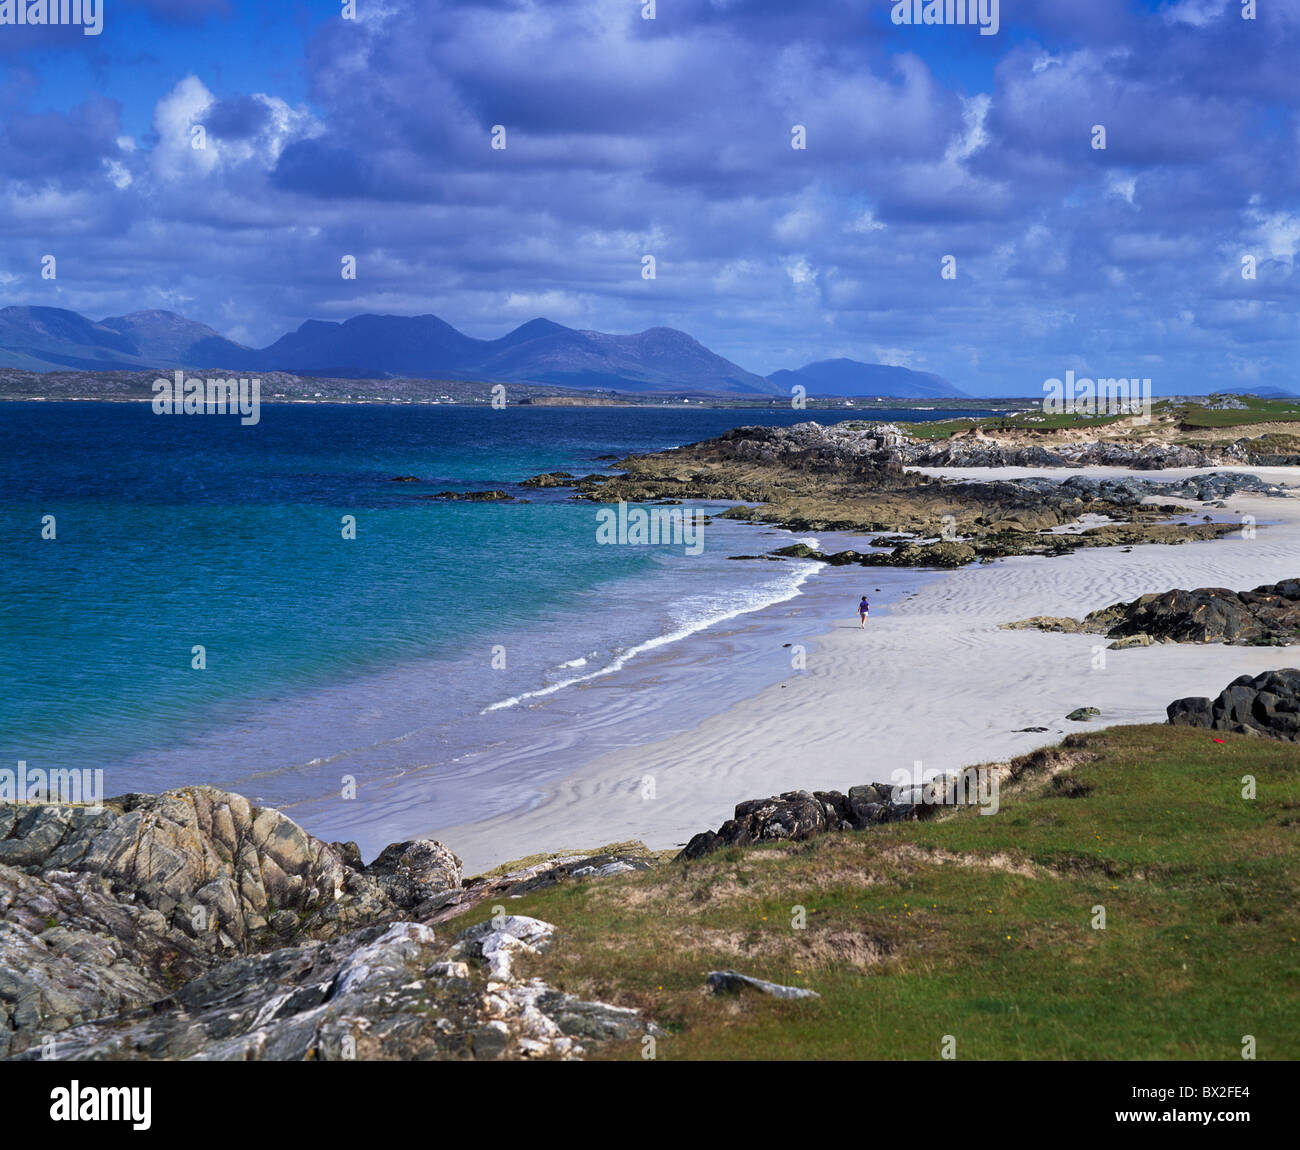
x,y
933,679
681,680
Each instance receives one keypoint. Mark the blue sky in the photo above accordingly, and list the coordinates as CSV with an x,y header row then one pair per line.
x,y
670,137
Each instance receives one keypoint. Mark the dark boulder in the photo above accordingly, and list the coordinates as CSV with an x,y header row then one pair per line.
x,y
1194,711
1267,615
1268,704
797,815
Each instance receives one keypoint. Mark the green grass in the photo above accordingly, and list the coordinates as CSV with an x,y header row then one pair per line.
x,y
980,927
1022,421
1255,411
1189,415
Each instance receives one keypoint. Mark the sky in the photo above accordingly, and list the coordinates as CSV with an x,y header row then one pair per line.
x,y
927,147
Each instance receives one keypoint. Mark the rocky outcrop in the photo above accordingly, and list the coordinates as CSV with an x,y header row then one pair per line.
x,y
1012,538
388,993
1267,616
961,452
194,924
1206,488
496,496
1267,704
797,815
852,477
549,479
941,554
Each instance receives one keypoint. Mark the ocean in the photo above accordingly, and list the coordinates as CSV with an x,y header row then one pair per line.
x,y
433,670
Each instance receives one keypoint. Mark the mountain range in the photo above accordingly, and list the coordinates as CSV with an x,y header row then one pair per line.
x,y
660,359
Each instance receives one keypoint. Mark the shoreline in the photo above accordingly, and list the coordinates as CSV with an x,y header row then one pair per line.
x,y
933,679
602,714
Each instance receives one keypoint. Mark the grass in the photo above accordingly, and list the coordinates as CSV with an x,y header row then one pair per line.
x,y
977,927
1021,421
1189,416
1255,411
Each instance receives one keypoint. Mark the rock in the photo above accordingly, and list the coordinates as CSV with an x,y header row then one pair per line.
x,y
1141,639
194,925
1266,616
549,479
704,843
797,815
598,1020
619,867
1083,714
1044,623
373,994
854,477
1191,712
412,873
1268,704
496,496
628,857
723,981
498,940
943,554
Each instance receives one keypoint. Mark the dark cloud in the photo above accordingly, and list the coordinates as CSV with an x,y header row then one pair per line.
x,y
240,118
57,147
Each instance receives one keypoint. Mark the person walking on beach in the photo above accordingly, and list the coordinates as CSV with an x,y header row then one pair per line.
x,y
864,609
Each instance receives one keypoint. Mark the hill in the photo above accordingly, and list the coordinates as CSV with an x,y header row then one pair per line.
x,y
849,377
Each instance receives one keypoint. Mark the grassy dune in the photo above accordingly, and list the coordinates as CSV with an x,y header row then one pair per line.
x,y
1172,421
981,927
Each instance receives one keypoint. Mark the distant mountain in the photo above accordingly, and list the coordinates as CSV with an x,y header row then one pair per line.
x,y
51,339
1259,392
165,337
55,339
421,347
370,345
849,377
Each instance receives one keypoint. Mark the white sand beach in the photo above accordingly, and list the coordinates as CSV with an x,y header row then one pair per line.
x,y
932,679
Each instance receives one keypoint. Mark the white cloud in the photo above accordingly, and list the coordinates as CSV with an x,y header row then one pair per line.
x,y
895,356
1122,187
185,108
974,112
801,273
1278,232
118,176
1197,13
174,117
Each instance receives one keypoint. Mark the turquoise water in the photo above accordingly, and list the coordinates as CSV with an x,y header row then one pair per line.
x,y
370,658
